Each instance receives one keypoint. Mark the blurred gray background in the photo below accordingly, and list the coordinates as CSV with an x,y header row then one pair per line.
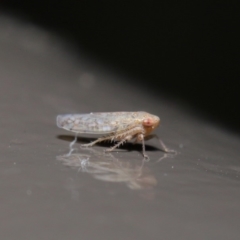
x,y
177,61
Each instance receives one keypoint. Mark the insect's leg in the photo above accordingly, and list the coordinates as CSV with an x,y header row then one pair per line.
x,y
93,142
71,149
140,137
162,145
129,137
101,139
73,142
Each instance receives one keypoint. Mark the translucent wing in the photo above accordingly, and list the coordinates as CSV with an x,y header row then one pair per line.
x,y
92,123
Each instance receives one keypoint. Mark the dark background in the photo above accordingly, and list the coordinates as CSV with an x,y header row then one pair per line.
x,y
186,49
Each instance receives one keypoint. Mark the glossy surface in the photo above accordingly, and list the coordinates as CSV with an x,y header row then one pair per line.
x,y
47,193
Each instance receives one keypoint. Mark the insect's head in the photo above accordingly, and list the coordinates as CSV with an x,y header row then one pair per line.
x,y
150,123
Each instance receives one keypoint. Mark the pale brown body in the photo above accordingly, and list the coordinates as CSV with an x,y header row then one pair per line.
x,y
116,126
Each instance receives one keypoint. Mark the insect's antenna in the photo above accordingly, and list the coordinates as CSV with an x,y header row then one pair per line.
x,y
71,149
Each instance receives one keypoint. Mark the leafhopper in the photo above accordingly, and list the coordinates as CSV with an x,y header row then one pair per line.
x,y
114,126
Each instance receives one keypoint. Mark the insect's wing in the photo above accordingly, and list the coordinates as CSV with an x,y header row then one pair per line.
x,y
87,123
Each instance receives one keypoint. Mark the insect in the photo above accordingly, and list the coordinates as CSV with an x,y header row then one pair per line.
x,y
114,126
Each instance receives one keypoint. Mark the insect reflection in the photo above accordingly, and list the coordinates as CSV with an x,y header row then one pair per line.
x,y
105,167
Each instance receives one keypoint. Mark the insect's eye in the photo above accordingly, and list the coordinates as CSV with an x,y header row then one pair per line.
x,y
147,122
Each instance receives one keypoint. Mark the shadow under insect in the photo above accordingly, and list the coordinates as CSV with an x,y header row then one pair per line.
x,y
128,146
